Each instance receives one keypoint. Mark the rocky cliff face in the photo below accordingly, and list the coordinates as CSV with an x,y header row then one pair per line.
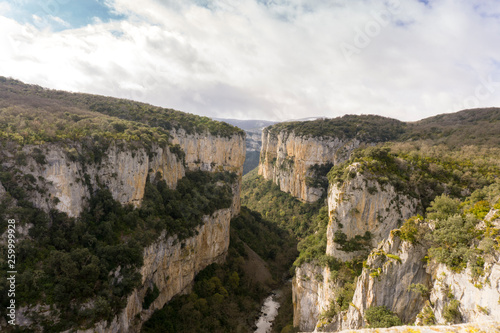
x,y
312,290
214,153
288,160
388,273
171,266
361,205
123,171
390,270
168,264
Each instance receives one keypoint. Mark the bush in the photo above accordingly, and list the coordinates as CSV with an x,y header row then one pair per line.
x,y
451,313
443,207
381,316
410,230
452,239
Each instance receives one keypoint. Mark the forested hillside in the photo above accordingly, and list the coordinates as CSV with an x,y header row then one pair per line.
x,y
106,193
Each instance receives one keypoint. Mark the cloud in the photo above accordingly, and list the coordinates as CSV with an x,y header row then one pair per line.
x,y
273,59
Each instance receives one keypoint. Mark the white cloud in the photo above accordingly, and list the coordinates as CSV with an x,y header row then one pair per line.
x,y
59,20
273,59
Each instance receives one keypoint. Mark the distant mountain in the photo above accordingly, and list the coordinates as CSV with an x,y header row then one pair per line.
x,y
247,124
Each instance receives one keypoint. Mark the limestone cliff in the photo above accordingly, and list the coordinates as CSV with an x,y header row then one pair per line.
x,y
171,266
312,290
289,160
362,205
396,265
390,270
64,179
123,171
362,212
214,153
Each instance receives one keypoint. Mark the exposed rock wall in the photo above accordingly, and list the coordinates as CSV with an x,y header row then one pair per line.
x,y
387,275
123,171
361,205
286,159
481,327
171,266
67,181
356,206
214,153
391,269
312,290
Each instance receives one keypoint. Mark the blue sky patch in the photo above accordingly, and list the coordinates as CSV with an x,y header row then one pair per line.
x,y
61,14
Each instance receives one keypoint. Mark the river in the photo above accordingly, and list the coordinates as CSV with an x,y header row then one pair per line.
x,y
269,311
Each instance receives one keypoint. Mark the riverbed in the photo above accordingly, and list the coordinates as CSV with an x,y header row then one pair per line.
x,y
269,311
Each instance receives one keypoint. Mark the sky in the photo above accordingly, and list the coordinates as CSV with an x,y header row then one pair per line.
x,y
262,59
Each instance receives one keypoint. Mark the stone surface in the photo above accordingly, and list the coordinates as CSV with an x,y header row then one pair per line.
x,y
361,205
169,264
286,160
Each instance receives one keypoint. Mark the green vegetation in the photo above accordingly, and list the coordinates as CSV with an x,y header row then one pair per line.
x,y
150,296
427,316
381,316
317,176
225,298
273,244
279,207
345,275
251,161
411,230
424,171
419,289
451,313
69,262
455,239
357,243
33,115
478,127
368,128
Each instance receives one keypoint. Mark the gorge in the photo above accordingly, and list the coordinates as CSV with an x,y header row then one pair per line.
x,y
135,218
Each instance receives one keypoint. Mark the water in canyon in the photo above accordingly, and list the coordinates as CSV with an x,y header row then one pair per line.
x,y
269,311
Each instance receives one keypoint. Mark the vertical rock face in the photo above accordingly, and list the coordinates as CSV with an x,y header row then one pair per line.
x,y
478,300
214,153
312,290
286,159
169,264
388,273
357,206
360,205
123,171
390,270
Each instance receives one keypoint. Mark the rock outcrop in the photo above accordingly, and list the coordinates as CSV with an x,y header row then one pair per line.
x,y
362,213
399,275
390,270
363,207
312,291
68,180
289,160
171,266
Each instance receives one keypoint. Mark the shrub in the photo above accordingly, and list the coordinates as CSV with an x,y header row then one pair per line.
x,y
409,231
420,289
443,207
150,296
451,313
381,316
